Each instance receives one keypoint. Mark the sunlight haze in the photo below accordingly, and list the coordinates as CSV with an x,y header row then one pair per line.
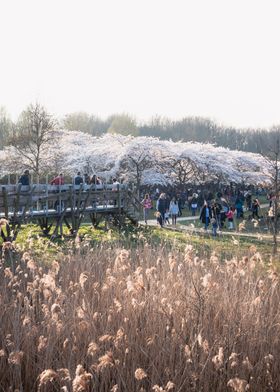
x,y
172,58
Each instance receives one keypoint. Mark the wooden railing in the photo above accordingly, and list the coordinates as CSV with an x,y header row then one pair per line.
x,y
66,203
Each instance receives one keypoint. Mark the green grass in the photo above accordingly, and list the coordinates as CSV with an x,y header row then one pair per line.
x,y
30,238
206,244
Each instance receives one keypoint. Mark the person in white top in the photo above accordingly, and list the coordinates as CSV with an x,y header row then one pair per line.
x,y
115,188
174,210
115,185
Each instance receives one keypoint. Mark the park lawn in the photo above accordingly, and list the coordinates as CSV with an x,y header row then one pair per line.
x,y
205,244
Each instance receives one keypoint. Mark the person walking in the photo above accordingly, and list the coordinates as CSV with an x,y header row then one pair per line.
x,y
174,210
166,217
255,209
239,207
215,212
205,215
147,205
194,203
230,216
161,208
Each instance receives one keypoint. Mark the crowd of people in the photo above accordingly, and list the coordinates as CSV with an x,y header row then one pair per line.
x,y
78,179
217,210
60,180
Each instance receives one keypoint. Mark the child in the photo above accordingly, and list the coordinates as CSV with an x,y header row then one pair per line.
x,y
159,218
166,217
147,205
230,215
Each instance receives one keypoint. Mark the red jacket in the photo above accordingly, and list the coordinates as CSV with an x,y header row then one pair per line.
x,y
230,214
57,181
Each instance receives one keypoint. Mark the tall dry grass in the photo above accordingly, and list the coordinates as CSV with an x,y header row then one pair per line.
x,y
111,319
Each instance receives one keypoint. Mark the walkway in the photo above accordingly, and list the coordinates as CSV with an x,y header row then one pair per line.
x,y
201,231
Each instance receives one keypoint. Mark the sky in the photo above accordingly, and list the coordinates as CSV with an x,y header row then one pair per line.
x,y
212,58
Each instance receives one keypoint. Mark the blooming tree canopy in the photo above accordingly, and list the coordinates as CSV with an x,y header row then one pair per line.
x,y
143,160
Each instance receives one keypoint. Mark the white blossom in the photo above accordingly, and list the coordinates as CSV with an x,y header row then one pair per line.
x,y
117,155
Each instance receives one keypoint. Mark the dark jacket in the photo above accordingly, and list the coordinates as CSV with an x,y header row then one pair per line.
x,y
24,179
161,205
78,180
215,211
203,214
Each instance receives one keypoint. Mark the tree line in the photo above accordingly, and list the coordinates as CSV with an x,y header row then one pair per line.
x,y
195,129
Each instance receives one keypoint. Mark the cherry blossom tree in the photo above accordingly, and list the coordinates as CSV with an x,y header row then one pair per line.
x,y
142,160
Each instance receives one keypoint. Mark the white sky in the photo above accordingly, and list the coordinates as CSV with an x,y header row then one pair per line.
x,y
216,58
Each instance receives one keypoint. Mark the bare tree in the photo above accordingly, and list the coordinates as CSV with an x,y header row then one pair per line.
x,y
5,127
32,137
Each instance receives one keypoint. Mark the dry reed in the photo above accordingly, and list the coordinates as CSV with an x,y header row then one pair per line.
x,y
111,319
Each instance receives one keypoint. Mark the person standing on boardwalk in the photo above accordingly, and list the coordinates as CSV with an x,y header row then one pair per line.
x,y
58,180
115,186
86,179
147,205
24,178
78,179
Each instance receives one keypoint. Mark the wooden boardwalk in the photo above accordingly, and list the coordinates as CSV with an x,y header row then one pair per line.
x,y
51,206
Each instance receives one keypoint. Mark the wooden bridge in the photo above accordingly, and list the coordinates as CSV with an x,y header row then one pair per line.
x,y
51,206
